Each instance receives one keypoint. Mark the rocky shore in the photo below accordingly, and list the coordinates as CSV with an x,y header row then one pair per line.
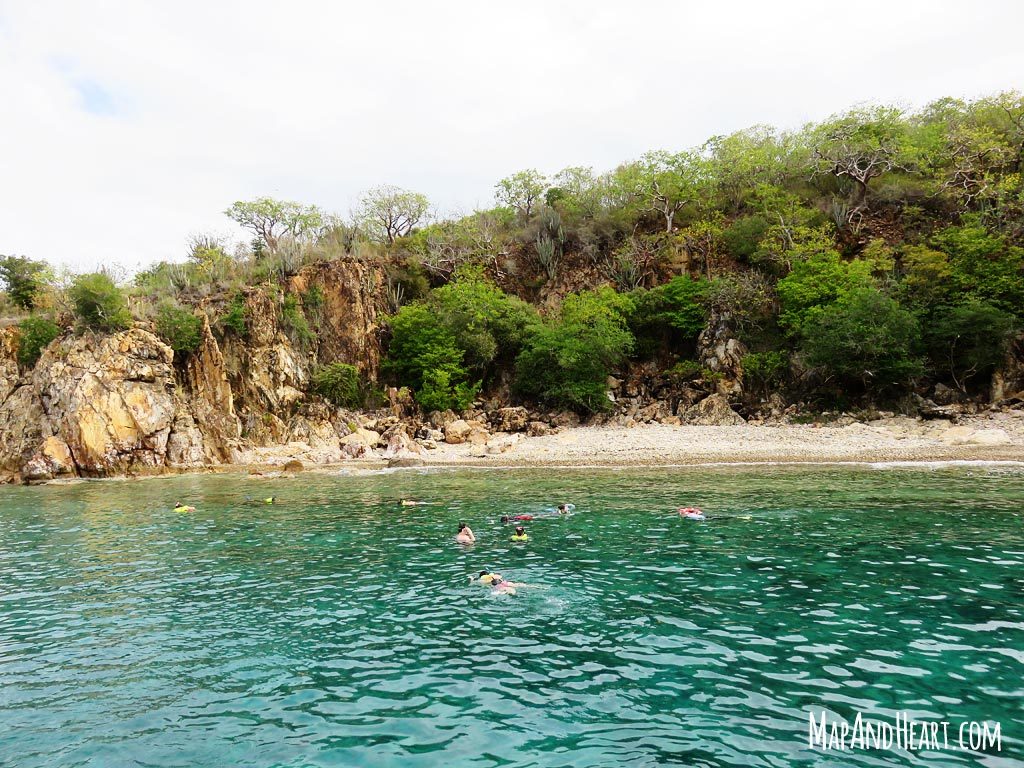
x,y
126,404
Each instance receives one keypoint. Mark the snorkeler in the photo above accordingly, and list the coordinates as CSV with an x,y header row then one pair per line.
x,y
498,583
179,507
507,519
691,513
465,534
520,534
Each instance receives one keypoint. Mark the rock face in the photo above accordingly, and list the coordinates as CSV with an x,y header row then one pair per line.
x,y
722,353
92,406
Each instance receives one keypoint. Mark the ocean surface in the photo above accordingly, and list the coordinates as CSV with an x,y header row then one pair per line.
x,y
337,627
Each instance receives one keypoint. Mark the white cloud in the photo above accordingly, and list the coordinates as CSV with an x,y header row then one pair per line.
x,y
126,125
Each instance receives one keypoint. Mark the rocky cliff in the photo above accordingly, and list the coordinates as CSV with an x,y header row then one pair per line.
x,y
96,406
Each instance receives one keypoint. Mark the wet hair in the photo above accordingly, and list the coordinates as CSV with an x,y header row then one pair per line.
x,y
484,573
520,530
504,518
563,507
462,525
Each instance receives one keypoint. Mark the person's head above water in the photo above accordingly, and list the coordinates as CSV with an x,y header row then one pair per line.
x,y
563,508
462,527
504,518
520,531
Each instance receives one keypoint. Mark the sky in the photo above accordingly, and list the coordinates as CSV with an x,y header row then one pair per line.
x,y
126,127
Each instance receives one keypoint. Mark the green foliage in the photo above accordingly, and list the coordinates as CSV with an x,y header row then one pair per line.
x,y
34,335
521,191
968,341
24,279
984,265
424,356
98,303
235,317
863,337
387,213
182,330
270,220
485,322
815,282
764,371
743,237
669,316
338,383
294,320
568,359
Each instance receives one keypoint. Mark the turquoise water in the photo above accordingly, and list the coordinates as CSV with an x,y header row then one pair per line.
x,y
340,628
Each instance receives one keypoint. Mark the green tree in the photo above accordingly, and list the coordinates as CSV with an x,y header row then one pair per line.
x,y
24,279
568,359
859,146
34,334
815,282
668,182
388,212
271,219
864,337
98,303
969,341
424,356
521,191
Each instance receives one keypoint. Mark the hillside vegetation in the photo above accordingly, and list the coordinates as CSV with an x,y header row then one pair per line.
x,y
855,262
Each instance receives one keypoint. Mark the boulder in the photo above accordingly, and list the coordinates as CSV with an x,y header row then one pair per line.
x,y
513,419
457,431
537,429
398,443
478,436
943,395
714,411
990,437
361,436
504,444
565,419
293,465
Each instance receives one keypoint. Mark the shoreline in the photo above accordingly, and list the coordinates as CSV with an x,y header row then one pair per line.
x,y
989,440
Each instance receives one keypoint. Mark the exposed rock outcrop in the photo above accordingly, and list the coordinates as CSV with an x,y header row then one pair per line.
x,y
722,353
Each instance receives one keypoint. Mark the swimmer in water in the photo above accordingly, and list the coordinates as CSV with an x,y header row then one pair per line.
x,y
520,534
506,519
565,509
179,507
691,513
411,503
465,534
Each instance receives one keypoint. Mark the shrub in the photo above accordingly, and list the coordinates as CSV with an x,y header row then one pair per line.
x,y
567,361
487,323
293,318
338,383
24,279
764,371
234,317
743,237
182,330
98,303
34,335
670,315
864,337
